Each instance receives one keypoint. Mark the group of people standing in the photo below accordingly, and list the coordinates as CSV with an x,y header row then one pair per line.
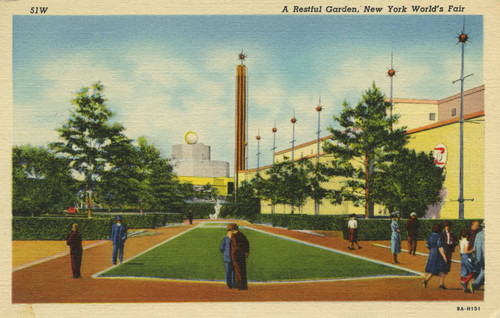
x,y
74,241
471,246
235,248
441,245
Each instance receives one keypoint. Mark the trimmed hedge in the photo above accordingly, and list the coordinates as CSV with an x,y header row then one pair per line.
x,y
97,228
199,210
303,222
147,220
368,229
50,228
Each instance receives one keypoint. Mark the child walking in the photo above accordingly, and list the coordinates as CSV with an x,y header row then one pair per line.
x,y
467,270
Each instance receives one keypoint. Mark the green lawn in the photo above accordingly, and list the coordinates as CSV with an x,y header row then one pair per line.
x,y
195,255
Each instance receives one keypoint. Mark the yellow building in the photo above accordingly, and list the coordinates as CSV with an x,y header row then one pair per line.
x,y
223,185
415,113
447,133
443,130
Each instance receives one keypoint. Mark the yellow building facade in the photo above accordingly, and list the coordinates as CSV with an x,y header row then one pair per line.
x,y
423,138
222,184
448,134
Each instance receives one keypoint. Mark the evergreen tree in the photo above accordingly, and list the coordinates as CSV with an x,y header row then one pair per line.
x,y
363,145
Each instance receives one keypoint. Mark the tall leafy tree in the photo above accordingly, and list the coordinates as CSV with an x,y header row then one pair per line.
x,y
245,204
410,183
139,177
119,185
285,183
364,143
315,180
41,182
90,139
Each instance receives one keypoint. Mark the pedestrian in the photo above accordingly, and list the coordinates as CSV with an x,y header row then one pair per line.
x,y
479,260
74,240
225,248
190,217
352,232
395,237
474,229
436,262
240,248
450,242
118,237
468,270
411,227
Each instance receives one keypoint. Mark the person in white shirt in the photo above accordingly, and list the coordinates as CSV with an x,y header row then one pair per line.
x,y
468,271
352,232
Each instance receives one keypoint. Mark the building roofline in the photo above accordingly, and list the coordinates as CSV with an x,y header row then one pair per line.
x,y
431,126
414,101
467,92
312,142
255,169
445,122
439,101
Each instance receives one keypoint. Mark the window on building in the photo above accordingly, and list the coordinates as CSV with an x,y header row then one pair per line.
x,y
453,112
432,116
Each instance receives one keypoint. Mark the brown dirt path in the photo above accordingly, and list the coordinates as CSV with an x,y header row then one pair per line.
x,y
51,282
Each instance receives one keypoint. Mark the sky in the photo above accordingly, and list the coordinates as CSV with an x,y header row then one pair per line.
x,y
167,75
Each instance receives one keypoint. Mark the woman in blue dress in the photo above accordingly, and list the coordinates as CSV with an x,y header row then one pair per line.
x,y
395,237
436,263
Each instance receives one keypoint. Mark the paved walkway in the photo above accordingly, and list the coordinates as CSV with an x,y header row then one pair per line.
x,y
51,282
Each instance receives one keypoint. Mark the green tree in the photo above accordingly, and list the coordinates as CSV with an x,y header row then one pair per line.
x,y
270,188
286,183
139,177
316,178
410,183
167,193
244,204
41,182
90,140
364,143
120,185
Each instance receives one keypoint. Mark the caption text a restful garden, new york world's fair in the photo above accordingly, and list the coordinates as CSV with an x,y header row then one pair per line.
x,y
374,9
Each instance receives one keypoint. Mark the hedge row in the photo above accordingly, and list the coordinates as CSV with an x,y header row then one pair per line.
x,y
368,229
41,228
96,228
199,210
146,220
303,222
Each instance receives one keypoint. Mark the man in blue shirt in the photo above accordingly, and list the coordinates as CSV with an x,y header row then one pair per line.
x,y
118,237
225,248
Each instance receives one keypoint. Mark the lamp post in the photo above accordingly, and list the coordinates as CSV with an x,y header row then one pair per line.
x,y
274,130
293,121
258,149
319,108
462,38
391,72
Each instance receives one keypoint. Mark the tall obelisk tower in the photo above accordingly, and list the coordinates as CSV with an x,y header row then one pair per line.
x,y
241,118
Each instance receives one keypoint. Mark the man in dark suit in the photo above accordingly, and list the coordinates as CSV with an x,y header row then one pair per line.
x,y
450,241
240,248
74,240
412,226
